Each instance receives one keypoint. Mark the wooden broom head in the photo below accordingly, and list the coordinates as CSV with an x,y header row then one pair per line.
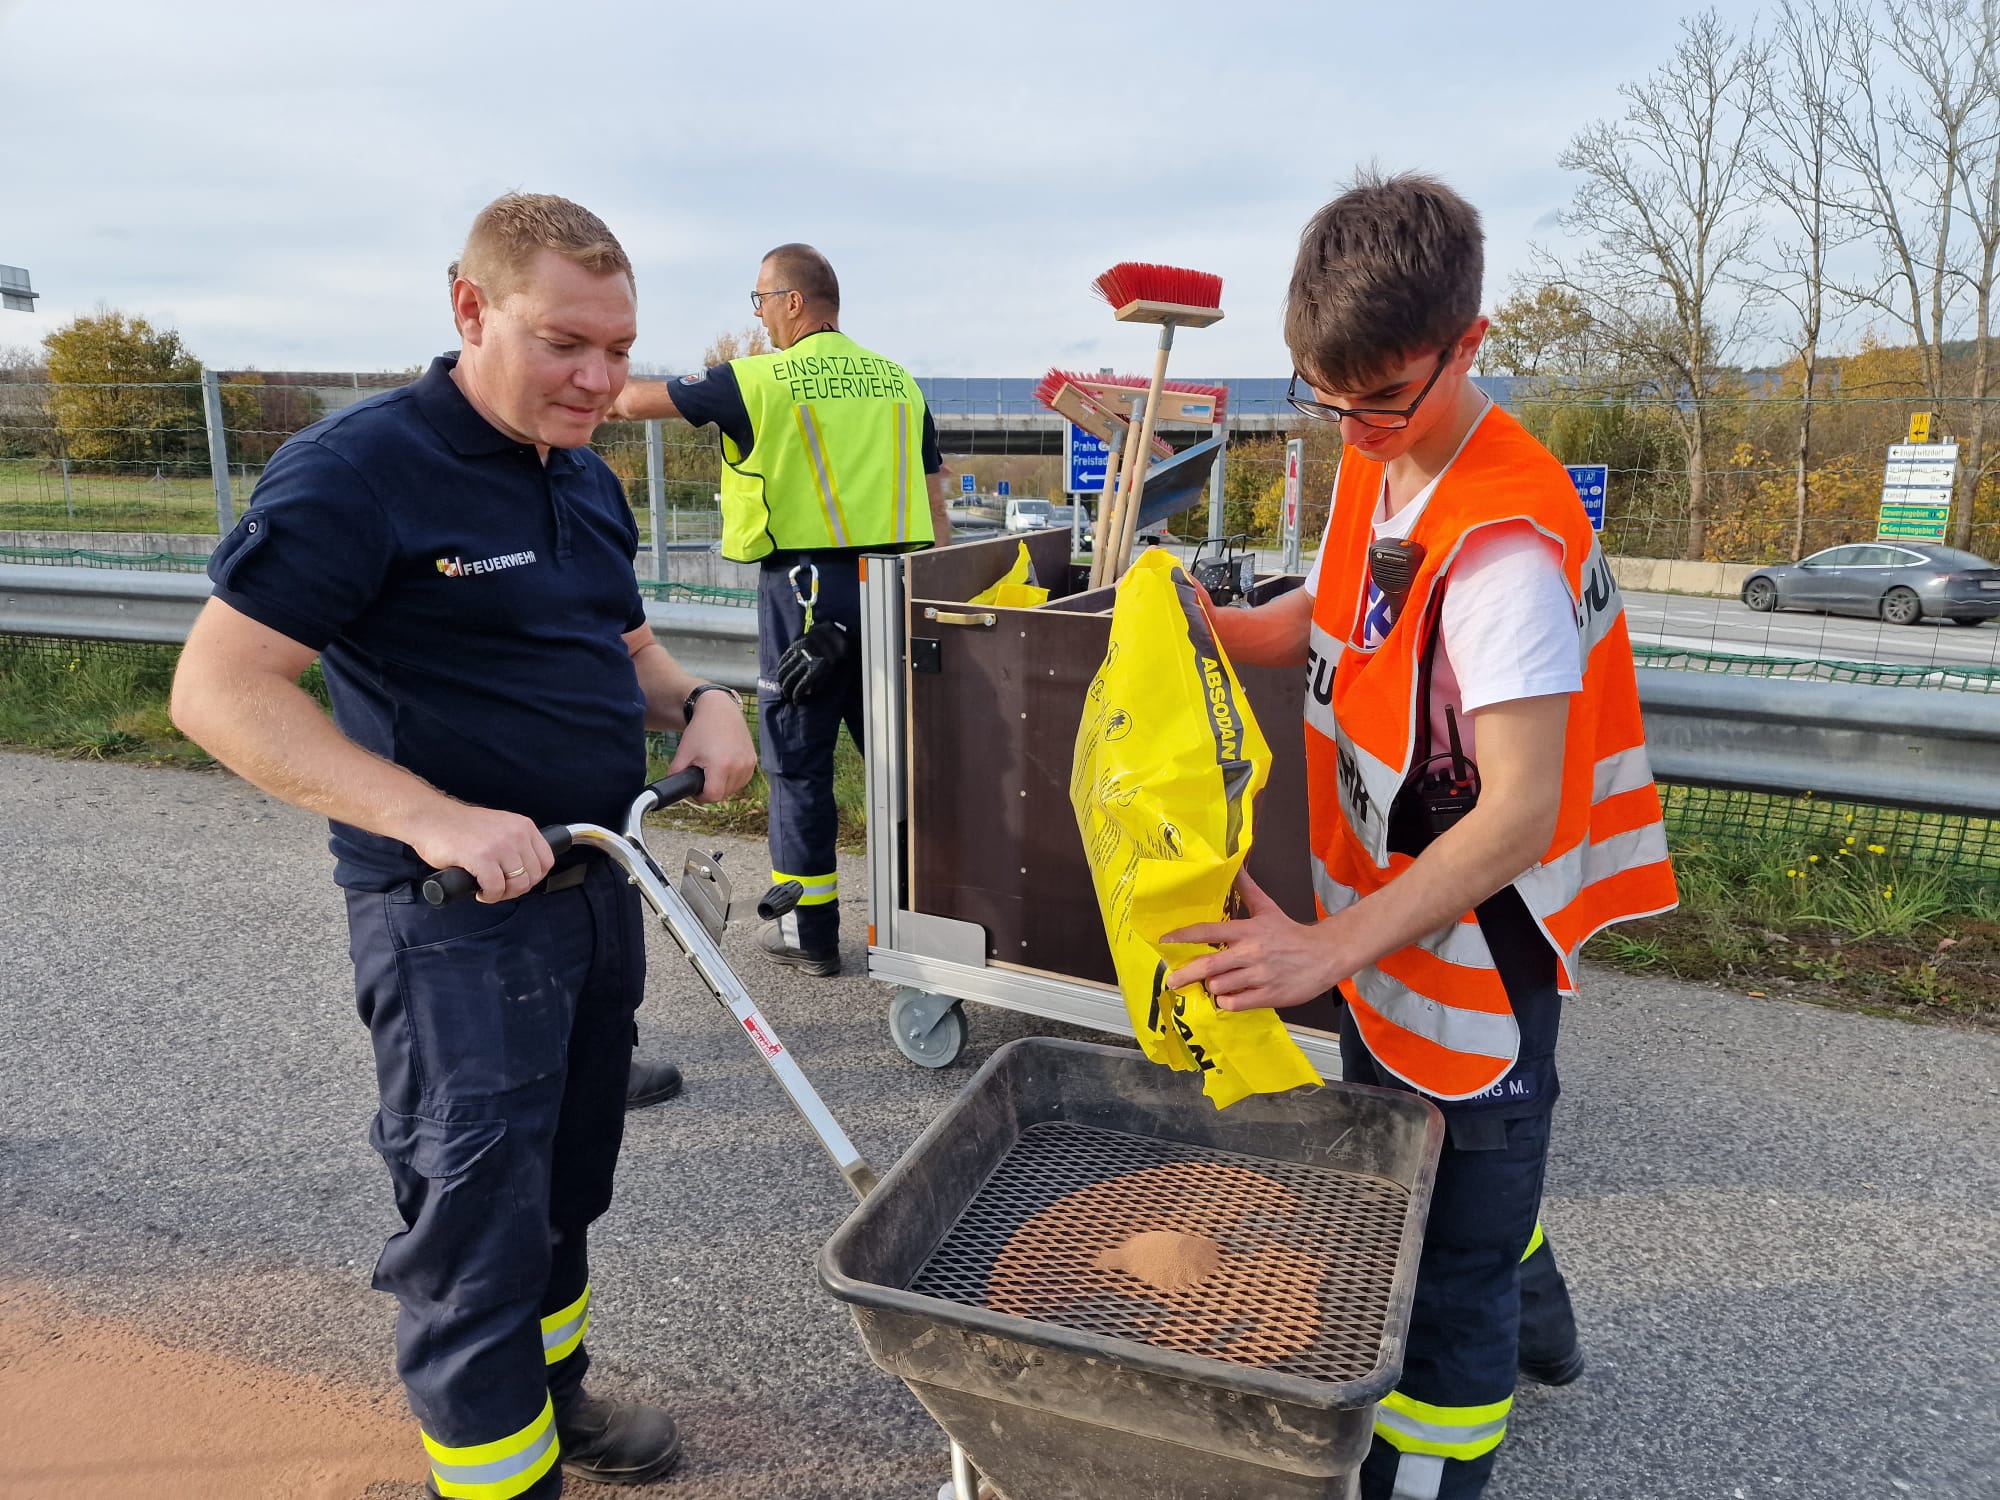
x,y
1140,292
1074,396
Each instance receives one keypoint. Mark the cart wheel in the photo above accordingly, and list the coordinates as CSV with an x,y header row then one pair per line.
x,y
929,1030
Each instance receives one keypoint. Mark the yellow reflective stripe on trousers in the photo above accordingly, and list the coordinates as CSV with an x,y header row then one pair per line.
x,y
820,889
1534,1241
902,471
1461,1432
829,497
563,1331
498,1470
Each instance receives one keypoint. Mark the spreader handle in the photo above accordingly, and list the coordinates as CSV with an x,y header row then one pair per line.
x,y
442,887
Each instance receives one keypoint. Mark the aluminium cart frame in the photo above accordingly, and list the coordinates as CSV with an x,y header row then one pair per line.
x,y
938,962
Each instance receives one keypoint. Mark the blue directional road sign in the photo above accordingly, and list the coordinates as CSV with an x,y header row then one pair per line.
x,y
1590,480
967,484
1085,456
1003,489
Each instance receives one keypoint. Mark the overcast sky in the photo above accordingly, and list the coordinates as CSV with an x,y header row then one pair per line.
x,y
287,183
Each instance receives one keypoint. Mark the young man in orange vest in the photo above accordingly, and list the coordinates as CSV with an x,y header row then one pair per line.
x,y
1481,801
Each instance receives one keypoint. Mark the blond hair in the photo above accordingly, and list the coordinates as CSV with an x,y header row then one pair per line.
x,y
516,227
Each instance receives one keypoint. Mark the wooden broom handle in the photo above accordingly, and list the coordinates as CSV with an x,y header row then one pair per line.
x,y
1128,516
1105,516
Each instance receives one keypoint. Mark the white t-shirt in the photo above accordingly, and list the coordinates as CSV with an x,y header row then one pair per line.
x,y
1507,625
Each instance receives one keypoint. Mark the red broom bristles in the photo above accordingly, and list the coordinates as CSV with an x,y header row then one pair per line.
x,y
1053,382
1139,281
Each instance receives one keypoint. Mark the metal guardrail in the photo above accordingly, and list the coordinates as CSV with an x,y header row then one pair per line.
x,y
717,642
1890,746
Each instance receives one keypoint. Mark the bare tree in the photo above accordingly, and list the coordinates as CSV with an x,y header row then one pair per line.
x,y
1801,92
1911,154
1979,202
1667,212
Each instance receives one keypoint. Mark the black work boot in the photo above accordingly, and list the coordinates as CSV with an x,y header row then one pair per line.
x,y
651,1083
1557,1371
822,963
613,1442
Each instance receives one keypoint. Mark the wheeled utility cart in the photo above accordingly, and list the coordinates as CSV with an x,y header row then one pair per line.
x,y
977,884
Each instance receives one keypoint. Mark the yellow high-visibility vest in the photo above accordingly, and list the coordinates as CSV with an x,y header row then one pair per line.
x,y
836,458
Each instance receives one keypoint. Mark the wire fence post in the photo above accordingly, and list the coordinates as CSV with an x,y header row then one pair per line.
x,y
656,497
218,452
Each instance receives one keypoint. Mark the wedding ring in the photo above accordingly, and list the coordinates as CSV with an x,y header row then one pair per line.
x,y
517,874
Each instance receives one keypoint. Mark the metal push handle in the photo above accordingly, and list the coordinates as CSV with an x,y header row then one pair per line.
x,y
441,887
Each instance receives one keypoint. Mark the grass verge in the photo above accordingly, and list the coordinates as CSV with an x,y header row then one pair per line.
x,y
1835,919
1843,917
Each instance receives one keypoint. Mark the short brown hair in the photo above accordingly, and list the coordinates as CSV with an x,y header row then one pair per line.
x,y
804,270
516,227
1391,268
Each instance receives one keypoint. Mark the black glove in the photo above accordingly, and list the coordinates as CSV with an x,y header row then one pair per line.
x,y
813,662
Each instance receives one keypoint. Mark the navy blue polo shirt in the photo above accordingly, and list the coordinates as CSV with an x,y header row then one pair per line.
x,y
468,603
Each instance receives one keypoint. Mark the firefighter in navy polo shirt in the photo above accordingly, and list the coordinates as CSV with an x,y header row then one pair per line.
x,y
828,452
460,563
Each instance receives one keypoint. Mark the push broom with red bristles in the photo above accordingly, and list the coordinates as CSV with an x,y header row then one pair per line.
x,y
1173,298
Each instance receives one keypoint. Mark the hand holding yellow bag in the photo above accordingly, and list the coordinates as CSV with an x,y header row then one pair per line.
x,y
1169,761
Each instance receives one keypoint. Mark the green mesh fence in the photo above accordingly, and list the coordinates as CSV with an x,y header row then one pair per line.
x,y
81,557
1958,678
671,592
1808,824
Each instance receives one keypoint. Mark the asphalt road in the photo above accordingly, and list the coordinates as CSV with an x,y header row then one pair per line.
x,y
1729,625
1781,1222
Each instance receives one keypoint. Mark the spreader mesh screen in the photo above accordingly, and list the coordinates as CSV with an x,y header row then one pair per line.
x,y
1265,1263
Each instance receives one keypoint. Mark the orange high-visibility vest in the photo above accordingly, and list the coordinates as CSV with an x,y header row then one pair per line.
x,y
1435,1014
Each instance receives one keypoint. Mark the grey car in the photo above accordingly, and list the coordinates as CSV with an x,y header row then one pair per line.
x,y
1901,582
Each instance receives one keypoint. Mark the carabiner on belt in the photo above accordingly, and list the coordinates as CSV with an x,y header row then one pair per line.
x,y
805,601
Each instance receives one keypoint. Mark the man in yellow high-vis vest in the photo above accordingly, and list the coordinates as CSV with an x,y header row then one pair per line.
x,y
828,452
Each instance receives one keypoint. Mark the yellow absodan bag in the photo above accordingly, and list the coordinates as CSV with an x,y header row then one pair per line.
x,y
1169,761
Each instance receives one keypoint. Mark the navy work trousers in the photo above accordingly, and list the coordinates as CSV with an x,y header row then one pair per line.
x,y
1483,1302
797,739
503,1039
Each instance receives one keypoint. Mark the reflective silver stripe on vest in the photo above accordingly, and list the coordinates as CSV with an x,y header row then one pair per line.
x,y
902,471
1599,605
816,450
1333,896
1322,660
1461,943
1626,771
1549,888
1478,1032
1367,787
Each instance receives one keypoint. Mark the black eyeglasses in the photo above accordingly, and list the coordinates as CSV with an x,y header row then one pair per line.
x,y
757,298
1370,416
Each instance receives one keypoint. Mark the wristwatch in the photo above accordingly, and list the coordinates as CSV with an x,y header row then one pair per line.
x,y
687,705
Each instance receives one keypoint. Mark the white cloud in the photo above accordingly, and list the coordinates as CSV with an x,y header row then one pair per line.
x,y
286,184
